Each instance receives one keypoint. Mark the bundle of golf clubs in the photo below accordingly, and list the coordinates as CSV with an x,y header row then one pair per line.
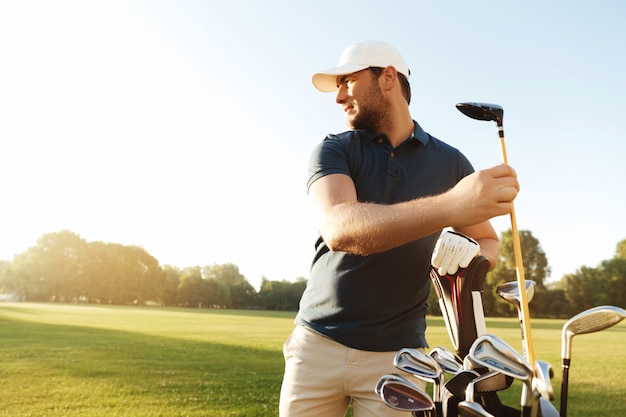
x,y
472,383
466,382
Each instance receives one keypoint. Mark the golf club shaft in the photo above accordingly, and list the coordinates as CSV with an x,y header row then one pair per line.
x,y
519,266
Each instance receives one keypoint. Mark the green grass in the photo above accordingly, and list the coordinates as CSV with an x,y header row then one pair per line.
x,y
92,361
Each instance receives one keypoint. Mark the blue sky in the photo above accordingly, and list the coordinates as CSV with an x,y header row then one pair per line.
x,y
185,126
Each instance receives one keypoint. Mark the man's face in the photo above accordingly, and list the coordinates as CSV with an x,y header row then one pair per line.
x,y
362,100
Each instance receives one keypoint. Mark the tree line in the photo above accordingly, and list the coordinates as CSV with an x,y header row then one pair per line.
x,y
63,267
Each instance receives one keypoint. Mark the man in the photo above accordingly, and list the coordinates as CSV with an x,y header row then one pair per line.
x,y
385,190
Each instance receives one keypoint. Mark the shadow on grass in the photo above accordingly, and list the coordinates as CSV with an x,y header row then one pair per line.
x,y
73,370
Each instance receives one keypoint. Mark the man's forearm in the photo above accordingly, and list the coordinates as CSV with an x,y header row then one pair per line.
x,y
363,228
489,248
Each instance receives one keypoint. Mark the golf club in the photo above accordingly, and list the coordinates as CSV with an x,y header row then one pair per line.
x,y
424,367
448,362
400,394
509,291
492,352
469,407
589,321
494,112
543,379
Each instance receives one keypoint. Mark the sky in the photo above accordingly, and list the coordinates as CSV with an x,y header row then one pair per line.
x,y
184,127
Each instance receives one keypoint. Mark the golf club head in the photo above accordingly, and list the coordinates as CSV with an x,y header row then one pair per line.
x,y
509,291
494,353
482,111
418,364
547,409
448,362
492,382
589,321
401,394
472,409
543,381
425,413
457,385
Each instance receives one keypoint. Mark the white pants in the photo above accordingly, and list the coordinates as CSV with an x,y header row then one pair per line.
x,y
323,376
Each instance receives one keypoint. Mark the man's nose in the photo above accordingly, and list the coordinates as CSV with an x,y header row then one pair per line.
x,y
341,94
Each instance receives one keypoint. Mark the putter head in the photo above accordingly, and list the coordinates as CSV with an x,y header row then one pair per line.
x,y
418,364
509,291
400,394
589,321
482,111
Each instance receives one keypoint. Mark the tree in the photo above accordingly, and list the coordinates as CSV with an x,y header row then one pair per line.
x,y
579,288
620,252
190,288
281,295
120,274
52,269
171,279
242,293
604,285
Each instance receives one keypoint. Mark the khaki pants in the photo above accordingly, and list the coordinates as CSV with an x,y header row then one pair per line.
x,y
323,376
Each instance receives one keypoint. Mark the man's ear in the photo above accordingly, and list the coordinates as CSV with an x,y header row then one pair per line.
x,y
388,77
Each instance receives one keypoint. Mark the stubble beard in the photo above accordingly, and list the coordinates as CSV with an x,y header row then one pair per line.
x,y
372,111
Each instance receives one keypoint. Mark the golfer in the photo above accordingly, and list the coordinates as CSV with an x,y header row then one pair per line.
x,y
384,190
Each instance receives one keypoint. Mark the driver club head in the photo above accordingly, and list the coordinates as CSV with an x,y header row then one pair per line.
x,y
589,321
482,111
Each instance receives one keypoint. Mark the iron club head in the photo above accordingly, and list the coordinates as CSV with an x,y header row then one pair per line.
x,y
422,366
494,353
448,362
543,381
417,363
400,394
471,409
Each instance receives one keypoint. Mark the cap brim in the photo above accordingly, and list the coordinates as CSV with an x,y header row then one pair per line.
x,y
326,80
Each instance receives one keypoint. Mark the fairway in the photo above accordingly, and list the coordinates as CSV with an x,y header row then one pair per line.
x,y
92,361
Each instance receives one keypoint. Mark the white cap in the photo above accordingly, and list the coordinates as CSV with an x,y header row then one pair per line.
x,y
358,57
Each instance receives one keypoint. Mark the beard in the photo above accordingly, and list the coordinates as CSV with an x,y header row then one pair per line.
x,y
371,111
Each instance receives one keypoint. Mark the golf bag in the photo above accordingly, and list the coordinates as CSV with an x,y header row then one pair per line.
x,y
461,303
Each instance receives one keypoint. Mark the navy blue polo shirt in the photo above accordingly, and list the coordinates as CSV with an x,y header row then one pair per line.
x,y
378,302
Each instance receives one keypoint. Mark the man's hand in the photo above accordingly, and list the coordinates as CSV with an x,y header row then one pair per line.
x,y
453,251
482,195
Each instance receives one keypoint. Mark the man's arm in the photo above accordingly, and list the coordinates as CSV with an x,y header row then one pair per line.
x,y
364,228
487,239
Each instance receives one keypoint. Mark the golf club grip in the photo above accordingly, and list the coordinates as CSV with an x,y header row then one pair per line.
x,y
564,385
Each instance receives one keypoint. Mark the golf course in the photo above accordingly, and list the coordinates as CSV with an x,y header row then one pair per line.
x,y
96,361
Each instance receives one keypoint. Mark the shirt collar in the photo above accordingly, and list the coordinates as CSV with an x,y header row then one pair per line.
x,y
419,134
